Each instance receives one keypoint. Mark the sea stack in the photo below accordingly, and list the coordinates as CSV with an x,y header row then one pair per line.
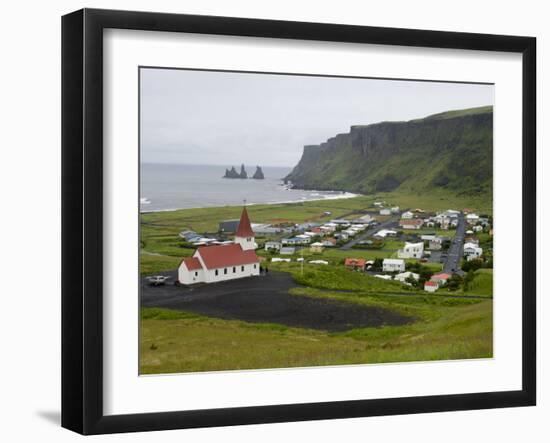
x,y
243,173
259,174
231,173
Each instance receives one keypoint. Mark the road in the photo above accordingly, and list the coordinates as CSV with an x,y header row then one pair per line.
x,y
456,250
390,223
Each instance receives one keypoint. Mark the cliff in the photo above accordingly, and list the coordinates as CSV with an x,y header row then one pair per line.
x,y
451,150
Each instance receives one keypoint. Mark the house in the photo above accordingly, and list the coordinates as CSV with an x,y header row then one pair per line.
x,y
355,263
472,218
287,250
407,215
341,235
436,244
472,251
477,228
393,265
305,239
431,286
367,218
383,233
403,276
210,264
293,241
385,211
278,259
394,209
317,248
341,222
415,223
272,246
265,228
329,242
428,237
411,250
441,279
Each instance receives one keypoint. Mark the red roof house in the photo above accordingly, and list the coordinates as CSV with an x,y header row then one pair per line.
x,y
355,263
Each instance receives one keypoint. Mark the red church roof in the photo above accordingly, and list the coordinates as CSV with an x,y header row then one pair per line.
x,y
244,229
222,256
192,263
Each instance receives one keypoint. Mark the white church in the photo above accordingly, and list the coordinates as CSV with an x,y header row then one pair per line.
x,y
211,264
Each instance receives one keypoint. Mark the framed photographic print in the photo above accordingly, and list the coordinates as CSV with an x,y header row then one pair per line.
x,y
269,221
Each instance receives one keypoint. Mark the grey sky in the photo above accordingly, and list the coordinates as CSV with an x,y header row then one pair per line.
x,y
199,117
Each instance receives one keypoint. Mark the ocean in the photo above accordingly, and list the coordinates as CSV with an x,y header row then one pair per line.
x,y
167,187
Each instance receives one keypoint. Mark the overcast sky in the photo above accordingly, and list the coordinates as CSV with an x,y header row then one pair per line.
x,y
198,117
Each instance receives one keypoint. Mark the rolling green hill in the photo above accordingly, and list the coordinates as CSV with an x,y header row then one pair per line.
x,y
450,151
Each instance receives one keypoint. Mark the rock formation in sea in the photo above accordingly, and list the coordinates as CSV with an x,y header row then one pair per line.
x,y
243,173
259,174
231,173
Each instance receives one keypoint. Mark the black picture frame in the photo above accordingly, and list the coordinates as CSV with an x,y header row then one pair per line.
x,y
82,259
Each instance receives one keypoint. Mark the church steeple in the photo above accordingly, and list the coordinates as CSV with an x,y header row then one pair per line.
x,y
245,235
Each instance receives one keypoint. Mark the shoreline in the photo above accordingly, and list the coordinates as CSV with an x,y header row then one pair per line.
x,y
343,195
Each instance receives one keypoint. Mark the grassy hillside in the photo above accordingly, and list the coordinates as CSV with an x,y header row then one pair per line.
x,y
449,153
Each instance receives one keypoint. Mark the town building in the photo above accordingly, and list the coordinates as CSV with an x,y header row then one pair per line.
x,y
385,211
210,264
355,263
407,215
393,265
472,251
272,246
411,250
436,244
317,247
403,276
431,286
414,223
441,279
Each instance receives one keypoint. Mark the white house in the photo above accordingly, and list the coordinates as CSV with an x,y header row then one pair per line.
x,y
393,265
413,223
317,247
385,211
407,215
431,286
472,251
210,264
472,218
403,276
272,246
411,250
383,233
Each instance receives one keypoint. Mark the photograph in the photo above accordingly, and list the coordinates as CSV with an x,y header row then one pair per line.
x,y
292,220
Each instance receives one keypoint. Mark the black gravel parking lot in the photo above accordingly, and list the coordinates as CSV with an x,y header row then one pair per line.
x,y
265,299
